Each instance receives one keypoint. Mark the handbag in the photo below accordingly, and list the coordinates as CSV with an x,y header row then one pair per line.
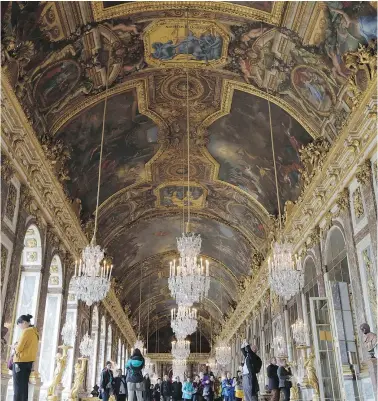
x,y
10,363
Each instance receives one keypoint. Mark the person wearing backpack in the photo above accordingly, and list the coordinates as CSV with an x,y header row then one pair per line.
x,y
252,366
134,375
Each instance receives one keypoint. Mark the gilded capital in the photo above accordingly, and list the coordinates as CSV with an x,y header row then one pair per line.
x,y
7,170
343,200
363,174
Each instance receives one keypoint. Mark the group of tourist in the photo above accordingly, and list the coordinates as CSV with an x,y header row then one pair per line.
x,y
204,387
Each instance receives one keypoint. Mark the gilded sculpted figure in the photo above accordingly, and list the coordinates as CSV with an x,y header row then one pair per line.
x,y
61,362
311,373
79,378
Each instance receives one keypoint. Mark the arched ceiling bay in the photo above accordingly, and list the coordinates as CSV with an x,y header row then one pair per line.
x,y
56,57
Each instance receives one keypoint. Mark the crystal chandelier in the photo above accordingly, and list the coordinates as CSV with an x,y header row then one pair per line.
x,y
285,276
212,363
148,366
69,333
140,345
189,245
279,346
223,354
300,331
180,349
91,281
86,346
179,368
189,281
183,321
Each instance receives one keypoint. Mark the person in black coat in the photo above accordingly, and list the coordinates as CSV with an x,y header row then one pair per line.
x,y
106,381
177,389
273,382
147,387
252,366
166,388
120,386
157,390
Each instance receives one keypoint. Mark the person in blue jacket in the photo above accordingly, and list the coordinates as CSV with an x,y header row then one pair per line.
x,y
228,388
134,377
187,389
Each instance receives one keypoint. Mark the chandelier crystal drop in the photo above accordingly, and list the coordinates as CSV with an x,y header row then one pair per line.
x,y
285,275
300,331
180,349
189,280
183,321
91,281
223,354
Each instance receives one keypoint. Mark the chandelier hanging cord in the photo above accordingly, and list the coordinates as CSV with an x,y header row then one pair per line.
x,y
102,141
140,297
271,136
187,115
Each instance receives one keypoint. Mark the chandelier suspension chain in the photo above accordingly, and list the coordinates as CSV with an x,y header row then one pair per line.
x,y
140,297
102,140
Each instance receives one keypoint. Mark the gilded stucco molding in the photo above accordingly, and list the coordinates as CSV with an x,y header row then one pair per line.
x,y
21,145
342,160
100,13
167,357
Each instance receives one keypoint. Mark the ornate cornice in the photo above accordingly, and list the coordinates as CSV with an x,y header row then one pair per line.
x,y
115,310
100,13
339,168
40,186
167,358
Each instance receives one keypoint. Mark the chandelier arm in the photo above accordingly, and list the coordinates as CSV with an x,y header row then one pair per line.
x,y
102,141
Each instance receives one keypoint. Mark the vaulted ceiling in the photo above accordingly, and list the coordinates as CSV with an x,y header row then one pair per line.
x,y
56,55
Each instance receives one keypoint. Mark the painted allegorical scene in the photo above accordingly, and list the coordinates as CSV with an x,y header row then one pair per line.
x,y
172,41
240,142
219,242
180,195
130,141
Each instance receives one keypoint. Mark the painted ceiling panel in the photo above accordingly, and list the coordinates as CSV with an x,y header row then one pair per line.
x,y
130,141
241,144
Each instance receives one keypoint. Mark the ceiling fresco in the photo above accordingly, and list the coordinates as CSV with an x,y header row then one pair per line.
x,y
59,58
130,141
240,142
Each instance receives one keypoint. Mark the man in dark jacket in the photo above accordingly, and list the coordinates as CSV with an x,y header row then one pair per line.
x,y
177,389
273,382
166,388
157,390
106,381
120,386
252,366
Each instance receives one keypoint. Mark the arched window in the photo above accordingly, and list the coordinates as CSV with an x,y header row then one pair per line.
x,y
109,344
267,335
119,354
50,333
71,317
123,357
28,294
310,288
257,334
336,257
101,352
94,336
